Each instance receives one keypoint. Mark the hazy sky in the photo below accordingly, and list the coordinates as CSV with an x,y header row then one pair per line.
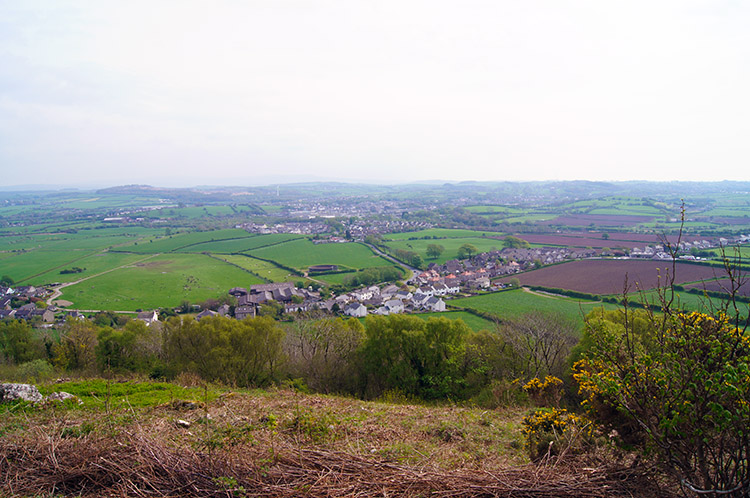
x,y
247,92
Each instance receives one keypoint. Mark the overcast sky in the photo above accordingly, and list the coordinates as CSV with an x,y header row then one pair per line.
x,y
253,92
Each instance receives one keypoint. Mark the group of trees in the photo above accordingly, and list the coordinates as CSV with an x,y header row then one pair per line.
x,y
371,276
438,358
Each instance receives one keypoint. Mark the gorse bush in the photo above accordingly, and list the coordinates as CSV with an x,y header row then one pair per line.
x,y
682,381
544,392
552,431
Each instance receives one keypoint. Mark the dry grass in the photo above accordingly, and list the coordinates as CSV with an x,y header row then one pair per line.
x,y
287,444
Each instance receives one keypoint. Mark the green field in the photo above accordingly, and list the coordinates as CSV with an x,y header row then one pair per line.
x,y
518,302
440,233
174,242
194,212
265,269
303,253
338,278
164,280
492,210
451,246
91,265
37,259
241,245
474,322
624,206
527,218
333,278
24,266
687,301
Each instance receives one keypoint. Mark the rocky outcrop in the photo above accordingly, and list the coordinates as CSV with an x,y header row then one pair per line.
x,y
13,392
62,396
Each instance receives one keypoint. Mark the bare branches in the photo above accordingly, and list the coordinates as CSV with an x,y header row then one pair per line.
x,y
139,465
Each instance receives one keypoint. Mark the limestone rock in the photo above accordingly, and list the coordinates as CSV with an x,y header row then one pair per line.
x,y
13,392
62,396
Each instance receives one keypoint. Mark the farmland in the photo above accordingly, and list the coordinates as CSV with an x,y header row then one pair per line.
x,y
721,285
84,234
303,253
599,220
602,276
38,259
266,270
164,280
474,322
174,242
451,246
514,303
238,245
599,240
438,233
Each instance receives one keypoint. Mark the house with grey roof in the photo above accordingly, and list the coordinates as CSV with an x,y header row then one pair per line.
x,y
356,310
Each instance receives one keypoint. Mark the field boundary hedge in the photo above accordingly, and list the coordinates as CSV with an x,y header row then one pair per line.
x,y
291,270
241,268
271,244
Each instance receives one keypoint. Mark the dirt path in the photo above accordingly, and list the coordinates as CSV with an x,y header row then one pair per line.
x,y
526,289
58,290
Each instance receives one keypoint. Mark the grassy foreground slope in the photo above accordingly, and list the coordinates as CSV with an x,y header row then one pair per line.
x,y
158,439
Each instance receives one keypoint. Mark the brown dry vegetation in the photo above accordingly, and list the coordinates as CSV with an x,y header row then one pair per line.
x,y
282,443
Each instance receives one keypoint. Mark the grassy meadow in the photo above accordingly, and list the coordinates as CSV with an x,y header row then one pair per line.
x,y
164,280
232,246
268,271
170,243
451,246
518,302
303,253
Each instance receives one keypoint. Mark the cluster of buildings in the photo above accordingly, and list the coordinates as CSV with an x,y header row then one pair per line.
x,y
30,295
302,228
389,300
686,249
478,271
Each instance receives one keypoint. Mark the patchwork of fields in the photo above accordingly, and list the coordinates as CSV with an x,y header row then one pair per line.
x,y
128,266
163,280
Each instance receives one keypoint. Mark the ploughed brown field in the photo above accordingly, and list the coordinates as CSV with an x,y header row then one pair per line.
x,y
722,286
604,276
731,220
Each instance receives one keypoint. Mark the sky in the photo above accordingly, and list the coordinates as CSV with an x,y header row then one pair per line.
x,y
251,92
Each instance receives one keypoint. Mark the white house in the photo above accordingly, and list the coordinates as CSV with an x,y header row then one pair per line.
x,y
435,304
394,306
420,299
357,310
148,316
440,289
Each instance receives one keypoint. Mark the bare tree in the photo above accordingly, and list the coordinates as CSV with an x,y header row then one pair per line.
x,y
542,342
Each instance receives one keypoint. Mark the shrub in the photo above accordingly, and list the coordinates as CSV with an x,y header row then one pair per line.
x,y
683,383
553,431
36,371
545,392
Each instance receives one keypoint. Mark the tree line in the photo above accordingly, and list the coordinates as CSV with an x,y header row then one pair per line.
x,y
432,359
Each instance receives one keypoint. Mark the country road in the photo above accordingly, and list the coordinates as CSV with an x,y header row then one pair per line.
x,y
391,258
